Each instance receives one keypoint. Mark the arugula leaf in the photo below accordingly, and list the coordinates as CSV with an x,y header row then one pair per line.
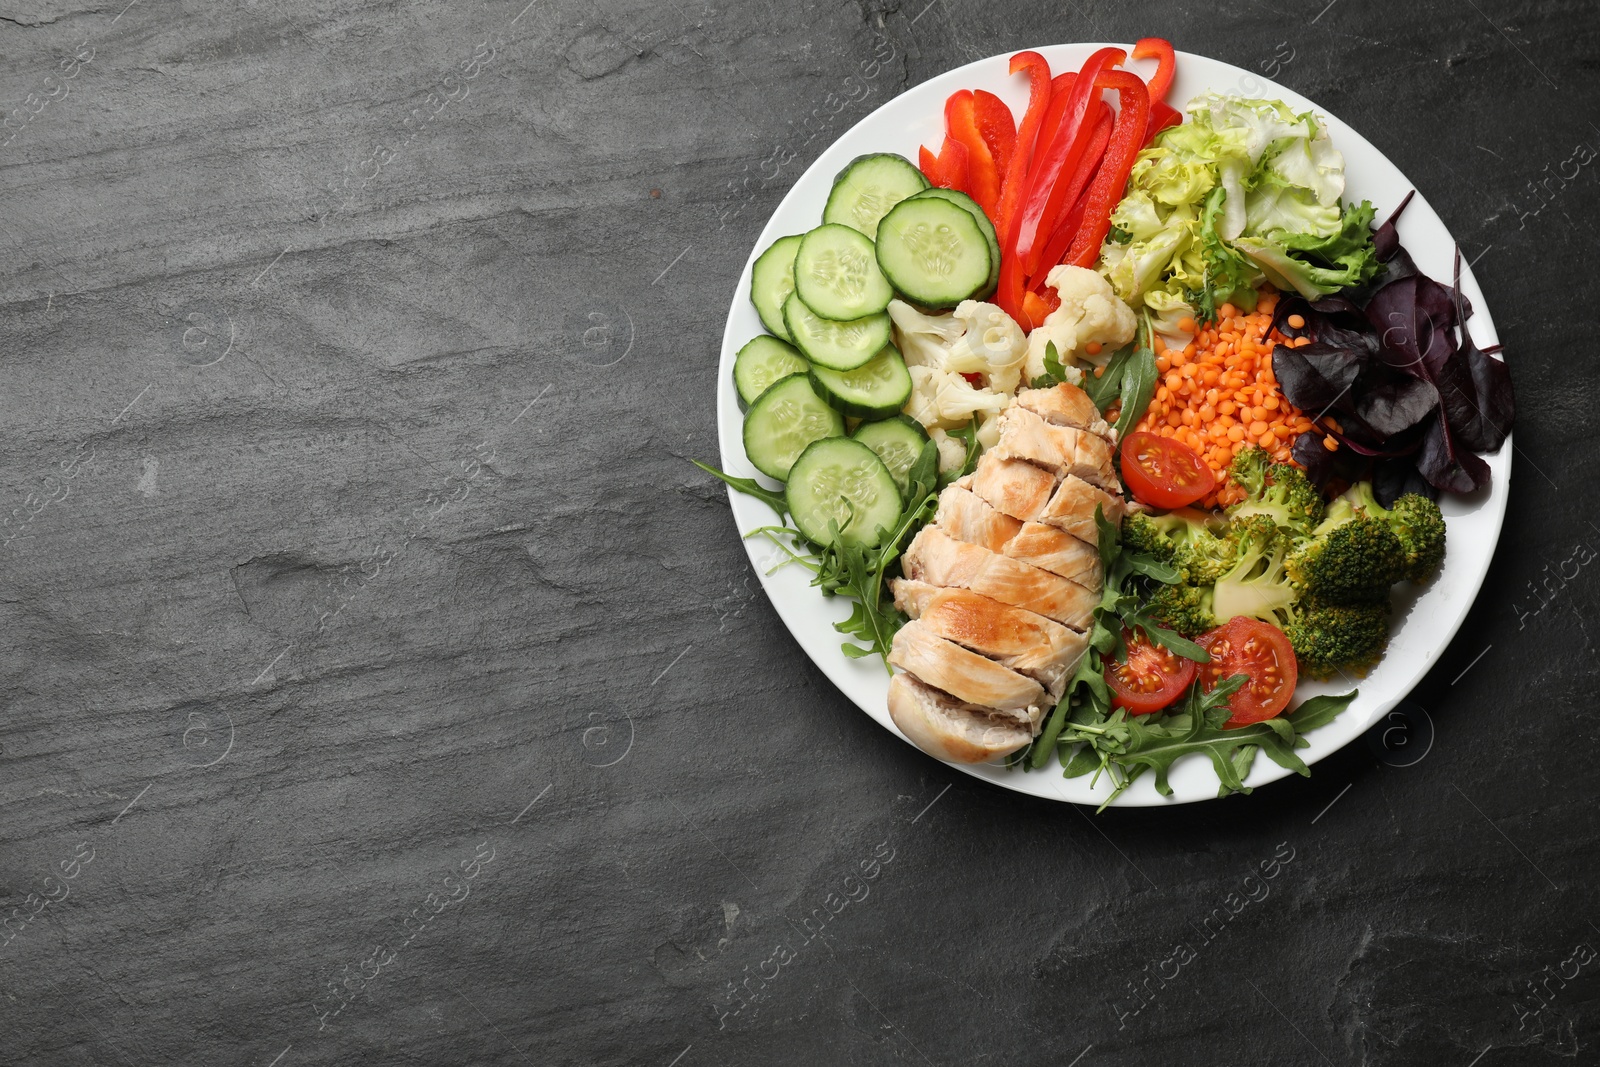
x,y
1170,640
1138,386
1105,389
967,435
1080,763
923,476
1320,711
1052,362
750,487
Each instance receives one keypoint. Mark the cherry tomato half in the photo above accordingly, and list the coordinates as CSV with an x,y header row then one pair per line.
x,y
1152,678
1243,645
1164,473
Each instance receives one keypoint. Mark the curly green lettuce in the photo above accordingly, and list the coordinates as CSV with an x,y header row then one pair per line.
x,y
1246,191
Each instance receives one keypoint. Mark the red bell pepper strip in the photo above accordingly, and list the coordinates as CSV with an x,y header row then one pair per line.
x,y
948,169
1036,307
1052,170
1160,50
1014,183
1009,293
961,124
998,127
1161,116
1065,230
1127,137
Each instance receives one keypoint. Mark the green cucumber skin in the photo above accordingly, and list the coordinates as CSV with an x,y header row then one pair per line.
x,y
825,303
912,281
957,197
831,388
756,417
838,359
761,270
748,392
804,499
838,208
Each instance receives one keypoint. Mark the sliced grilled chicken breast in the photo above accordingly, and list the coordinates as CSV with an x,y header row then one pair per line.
x,y
1065,405
952,730
1060,449
1030,493
961,672
939,559
1027,643
1014,487
1072,507
968,517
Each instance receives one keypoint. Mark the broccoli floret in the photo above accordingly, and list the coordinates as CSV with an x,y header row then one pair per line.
x,y
1331,639
1143,532
1416,521
1249,469
1184,608
1349,558
1277,490
1257,584
1195,545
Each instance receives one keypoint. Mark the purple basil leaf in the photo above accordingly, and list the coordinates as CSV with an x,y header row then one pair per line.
x,y
1393,407
1448,467
1393,478
1490,409
1315,377
1386,239
1480,404
1326,468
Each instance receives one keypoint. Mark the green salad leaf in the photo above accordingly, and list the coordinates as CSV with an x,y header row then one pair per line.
x,y
1245,191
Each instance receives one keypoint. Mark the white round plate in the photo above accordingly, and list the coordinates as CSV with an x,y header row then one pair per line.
x,y
1424,624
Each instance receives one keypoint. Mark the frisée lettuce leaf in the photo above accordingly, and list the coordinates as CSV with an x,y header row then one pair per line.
x,y
1246,191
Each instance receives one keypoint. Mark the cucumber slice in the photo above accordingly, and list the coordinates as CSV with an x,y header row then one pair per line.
x,y
835,345
898,442
762,361
836,274
875,390
783,421
960,199
838,480
865,190
933,252
771,282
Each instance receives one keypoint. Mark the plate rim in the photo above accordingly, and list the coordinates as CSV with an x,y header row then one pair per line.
x,y
748,512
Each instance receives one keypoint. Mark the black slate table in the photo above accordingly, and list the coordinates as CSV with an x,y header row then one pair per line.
x,y
382,686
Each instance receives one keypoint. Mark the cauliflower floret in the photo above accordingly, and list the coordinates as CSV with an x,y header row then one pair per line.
x,y
945,398
952,450
994,340
923,339
1089,311
977,339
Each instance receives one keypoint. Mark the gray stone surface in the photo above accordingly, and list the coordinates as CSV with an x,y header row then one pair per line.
x,y
381,685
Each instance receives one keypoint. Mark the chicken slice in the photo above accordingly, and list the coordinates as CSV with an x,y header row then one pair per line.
x,y
1027,643
939,559
1029,493
949,729
968,517
1065,405
961,672
1061,449
1071,508
1013,487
